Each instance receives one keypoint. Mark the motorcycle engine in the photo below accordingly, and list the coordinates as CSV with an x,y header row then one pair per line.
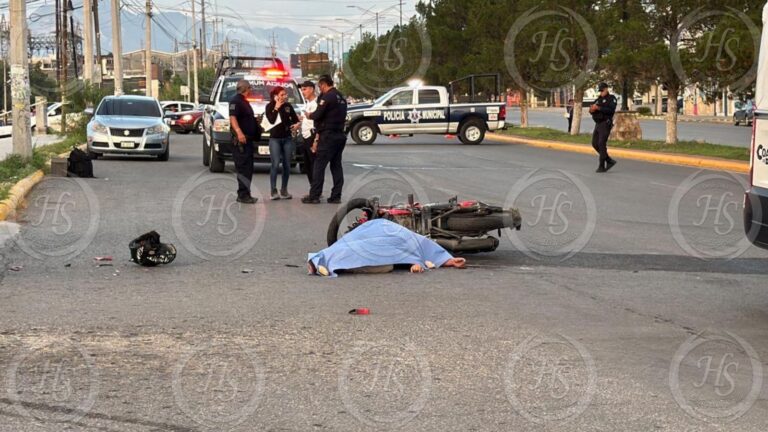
x,y
403,220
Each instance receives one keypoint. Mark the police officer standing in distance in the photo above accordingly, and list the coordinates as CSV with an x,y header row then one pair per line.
x,y
246,130
602,113
329,118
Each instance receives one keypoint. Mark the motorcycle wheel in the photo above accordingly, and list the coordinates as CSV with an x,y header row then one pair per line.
x,y
482,223
341,215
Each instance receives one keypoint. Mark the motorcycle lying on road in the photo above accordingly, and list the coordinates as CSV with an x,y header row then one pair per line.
x,y
457,226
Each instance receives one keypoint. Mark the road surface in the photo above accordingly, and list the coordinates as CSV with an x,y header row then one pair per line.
x,y
629,301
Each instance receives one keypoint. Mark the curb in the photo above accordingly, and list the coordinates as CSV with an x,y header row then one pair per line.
x,y
19,191
645,156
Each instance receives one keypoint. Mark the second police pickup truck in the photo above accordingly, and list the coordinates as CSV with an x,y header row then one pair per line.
x,y
464,107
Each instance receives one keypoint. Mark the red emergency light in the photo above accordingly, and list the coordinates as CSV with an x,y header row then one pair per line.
x,y
274,73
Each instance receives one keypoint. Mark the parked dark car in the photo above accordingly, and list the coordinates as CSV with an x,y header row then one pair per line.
x,y
186,121
745,113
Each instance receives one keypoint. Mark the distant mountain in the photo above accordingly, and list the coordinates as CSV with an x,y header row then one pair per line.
x,y
168,26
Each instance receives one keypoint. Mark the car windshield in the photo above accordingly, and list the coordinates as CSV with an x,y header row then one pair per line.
x,y
129,107
260,89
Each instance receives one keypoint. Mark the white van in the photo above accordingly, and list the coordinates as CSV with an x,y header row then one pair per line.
x,y
756,198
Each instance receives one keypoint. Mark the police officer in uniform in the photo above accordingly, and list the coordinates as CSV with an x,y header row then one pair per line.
x,y
329,118
602,113
246,130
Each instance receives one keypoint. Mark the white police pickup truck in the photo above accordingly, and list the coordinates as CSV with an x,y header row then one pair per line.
x,y
264,74
465,107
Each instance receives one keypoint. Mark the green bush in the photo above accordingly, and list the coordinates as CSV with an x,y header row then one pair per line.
x,y
644,111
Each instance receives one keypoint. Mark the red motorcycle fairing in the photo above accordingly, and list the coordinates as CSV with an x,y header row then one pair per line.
x,y
467,204
399,212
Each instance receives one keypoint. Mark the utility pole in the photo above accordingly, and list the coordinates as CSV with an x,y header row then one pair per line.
x,y
98,38
4,27
72,34
203,46
58,40
117,47
194,54
148,50
401,13
88,41
22,131
64,67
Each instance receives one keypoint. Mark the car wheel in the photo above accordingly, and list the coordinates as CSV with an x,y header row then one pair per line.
x,y
472,132
216,162
736,123
364,133
206,153
166,155
199,127
182,132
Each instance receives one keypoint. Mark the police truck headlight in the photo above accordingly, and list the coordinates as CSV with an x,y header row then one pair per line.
x,y
155,130
221,125
99,128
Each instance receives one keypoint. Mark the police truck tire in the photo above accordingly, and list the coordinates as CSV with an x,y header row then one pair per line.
x,y
364,133
216,163
472,132
341,214
206,154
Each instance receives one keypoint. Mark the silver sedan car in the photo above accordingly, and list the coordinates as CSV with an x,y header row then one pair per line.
x,y
128,125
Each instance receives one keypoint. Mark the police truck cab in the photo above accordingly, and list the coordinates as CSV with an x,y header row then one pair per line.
x,y
468,107
264,74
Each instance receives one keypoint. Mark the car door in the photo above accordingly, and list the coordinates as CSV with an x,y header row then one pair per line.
x,y
432,111
396,112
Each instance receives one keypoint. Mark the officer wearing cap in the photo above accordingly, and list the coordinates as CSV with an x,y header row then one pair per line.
x,y
329,118
308,132
246,129
602,112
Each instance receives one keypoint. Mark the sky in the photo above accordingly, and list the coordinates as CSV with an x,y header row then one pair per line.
x,y
304,17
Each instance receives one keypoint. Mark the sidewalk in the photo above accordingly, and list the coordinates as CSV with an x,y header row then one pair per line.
x,y
639,155
680,118
6,144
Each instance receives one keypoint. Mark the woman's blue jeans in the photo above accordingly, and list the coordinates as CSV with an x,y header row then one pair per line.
x,y
280,149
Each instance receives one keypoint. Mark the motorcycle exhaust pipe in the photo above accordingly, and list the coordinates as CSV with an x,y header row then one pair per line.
x,y
473,245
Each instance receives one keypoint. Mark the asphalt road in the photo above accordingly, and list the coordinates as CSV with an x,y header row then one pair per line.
x,y
629,301
715,133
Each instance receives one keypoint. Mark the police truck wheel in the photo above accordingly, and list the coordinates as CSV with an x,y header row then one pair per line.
x,y
364,133
472,132
216,162
206,154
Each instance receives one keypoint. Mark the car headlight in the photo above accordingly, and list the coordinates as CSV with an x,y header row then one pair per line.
x,y
99,128
221,125
187,117
158,129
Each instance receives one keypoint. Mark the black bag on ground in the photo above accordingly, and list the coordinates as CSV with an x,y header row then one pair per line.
x,y
146,250
79,164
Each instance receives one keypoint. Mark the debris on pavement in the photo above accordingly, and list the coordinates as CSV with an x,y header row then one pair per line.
x,y
102,258
246,271
16,268
360,311
146,250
